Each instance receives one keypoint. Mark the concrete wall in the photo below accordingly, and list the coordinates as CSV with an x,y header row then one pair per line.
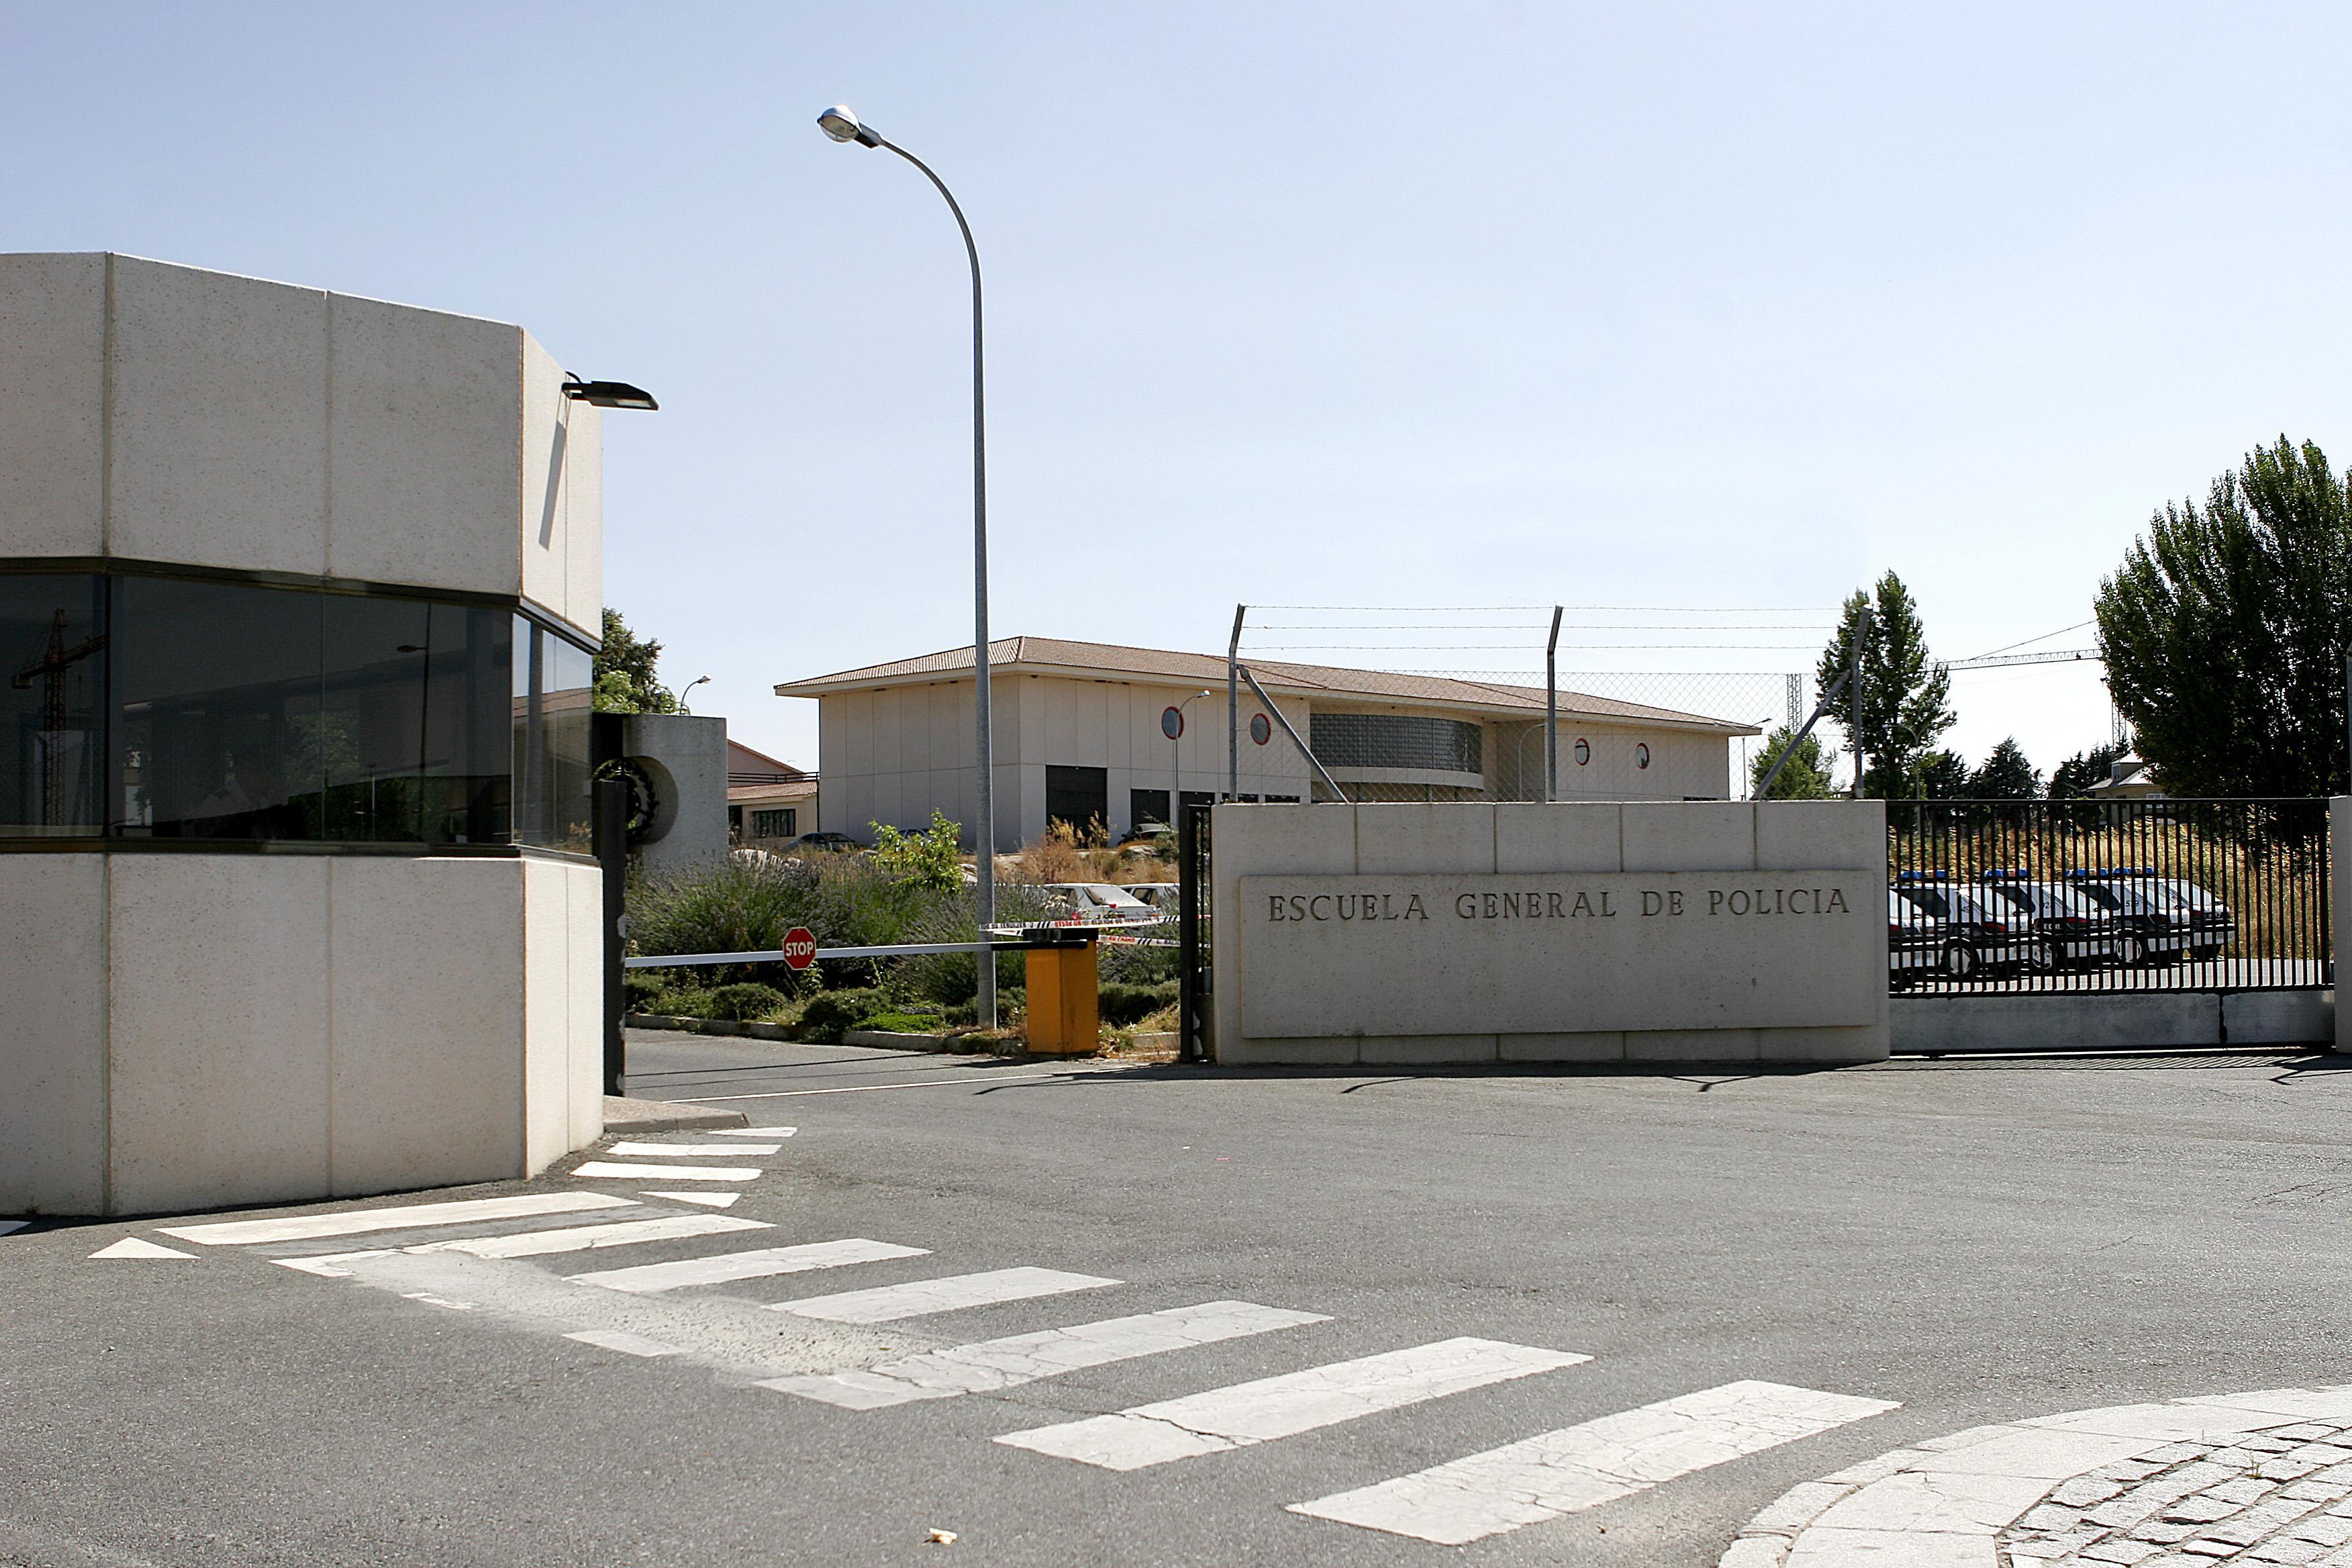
x,y
281,1027
684,758
165,413
1942,1025
1819,983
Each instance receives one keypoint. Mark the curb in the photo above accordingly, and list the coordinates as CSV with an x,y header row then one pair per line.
x,y
624,1114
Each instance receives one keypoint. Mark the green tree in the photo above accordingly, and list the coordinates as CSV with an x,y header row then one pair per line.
x,y
1940,775
1806,776
2006,775
1904,691
2225,631
926,859
625,666
2073,779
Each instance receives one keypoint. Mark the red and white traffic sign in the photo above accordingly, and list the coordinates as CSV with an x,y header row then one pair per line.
x,y
800,947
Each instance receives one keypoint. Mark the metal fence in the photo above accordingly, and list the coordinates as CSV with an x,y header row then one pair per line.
x,y
1193,974
2108,896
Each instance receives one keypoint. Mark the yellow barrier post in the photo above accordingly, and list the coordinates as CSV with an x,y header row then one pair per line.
x,y
1064,1015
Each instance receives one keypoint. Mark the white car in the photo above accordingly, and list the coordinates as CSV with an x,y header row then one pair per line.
x,y
1160,896
1099,903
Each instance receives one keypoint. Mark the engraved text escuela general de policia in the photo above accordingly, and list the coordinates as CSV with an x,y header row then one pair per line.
x,y
1568,904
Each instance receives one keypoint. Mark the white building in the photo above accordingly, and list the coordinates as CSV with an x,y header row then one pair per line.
x,y
299,592
1081,732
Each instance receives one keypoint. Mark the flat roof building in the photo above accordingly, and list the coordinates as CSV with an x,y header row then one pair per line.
x,y
1084,733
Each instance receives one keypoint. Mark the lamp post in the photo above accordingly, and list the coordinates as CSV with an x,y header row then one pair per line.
x,y
843,125
1175,757
690,685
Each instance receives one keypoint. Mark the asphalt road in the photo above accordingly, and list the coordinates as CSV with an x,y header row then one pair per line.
x,y
1976,1240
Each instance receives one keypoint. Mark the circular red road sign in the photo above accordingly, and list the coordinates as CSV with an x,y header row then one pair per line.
x,y
800,947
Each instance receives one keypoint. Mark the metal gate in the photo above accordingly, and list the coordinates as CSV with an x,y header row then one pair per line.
x,y
1194,976
2001,895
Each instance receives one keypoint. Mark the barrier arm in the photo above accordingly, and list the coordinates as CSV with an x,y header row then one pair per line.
x,y
1331,782
1765,787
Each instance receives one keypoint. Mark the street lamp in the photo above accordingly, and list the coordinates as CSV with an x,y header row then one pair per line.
x,y
1174,729
842,125
690,685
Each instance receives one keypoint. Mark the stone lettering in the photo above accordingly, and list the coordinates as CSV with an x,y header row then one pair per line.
x,y
1837,901
1274,912
1715,902
1606,912
1466,906
1413,910
1652,903
1675,902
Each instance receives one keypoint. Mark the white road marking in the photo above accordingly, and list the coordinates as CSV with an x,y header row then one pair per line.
x,y
625,1342
430,1299
1025,1358
678,1150
919,1083
131,1247
707,1200
8,1225
1283,1406
891,1302
755,1131
582,1237
328,1268
649,1278
612,1169
1592,1463
358,1222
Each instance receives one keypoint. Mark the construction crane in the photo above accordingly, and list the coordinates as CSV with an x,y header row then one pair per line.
x,y
50,668
2055,656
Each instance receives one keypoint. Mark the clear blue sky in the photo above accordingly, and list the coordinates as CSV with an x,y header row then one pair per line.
x,y
1472,304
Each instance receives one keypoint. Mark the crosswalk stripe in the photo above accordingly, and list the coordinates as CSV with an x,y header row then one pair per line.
x,y
359,1222
331,1266
648,1277
1283,1406
676,1150
1595,1462
891,1302
707,1200
1025,1358
625,1342
582,1237
755,1131
612,1168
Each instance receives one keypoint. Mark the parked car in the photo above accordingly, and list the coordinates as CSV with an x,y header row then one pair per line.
x,y
1977,935
1095,902
1160,896
1915,942
2152,928
2212,926
2068,926
836,841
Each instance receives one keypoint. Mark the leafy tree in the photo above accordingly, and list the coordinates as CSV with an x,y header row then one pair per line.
x,y
1904,691
925,860
2073,779
625,677
2225,631
1806,776
1941,776
2006,775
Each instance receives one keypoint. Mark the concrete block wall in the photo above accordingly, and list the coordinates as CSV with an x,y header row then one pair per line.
x,y
1478,838
284,1028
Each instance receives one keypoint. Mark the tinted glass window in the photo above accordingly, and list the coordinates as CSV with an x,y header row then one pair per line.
x,y
53,639
555,692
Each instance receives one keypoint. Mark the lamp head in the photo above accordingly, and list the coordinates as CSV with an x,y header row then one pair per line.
x,y
841,123
609,395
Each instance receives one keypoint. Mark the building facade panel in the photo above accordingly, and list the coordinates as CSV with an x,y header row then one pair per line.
x,y
53,404
53,1119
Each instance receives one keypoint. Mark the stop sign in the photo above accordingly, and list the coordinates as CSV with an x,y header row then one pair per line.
x,y
800,947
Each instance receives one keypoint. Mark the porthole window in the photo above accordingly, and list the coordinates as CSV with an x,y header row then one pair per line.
x,y
1583,752
1642,756
1260,729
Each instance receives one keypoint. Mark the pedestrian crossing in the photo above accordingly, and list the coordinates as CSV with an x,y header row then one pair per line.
x,y
684,1278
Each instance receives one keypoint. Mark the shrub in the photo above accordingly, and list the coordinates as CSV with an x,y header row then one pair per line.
x,y
745,1000
1132,964
683,1002
1120,1004
828,1013
641,986
904,1022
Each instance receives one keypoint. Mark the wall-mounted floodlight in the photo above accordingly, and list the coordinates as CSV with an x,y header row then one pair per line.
x,y
841,123
610,394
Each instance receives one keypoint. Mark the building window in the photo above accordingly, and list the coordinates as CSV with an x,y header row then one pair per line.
x,y
1642,756
1079,797
141,706
782,822
1148,806
1583,752
53,637
1396,741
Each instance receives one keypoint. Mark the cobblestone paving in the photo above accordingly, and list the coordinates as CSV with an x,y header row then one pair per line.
x,y
2282,1496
